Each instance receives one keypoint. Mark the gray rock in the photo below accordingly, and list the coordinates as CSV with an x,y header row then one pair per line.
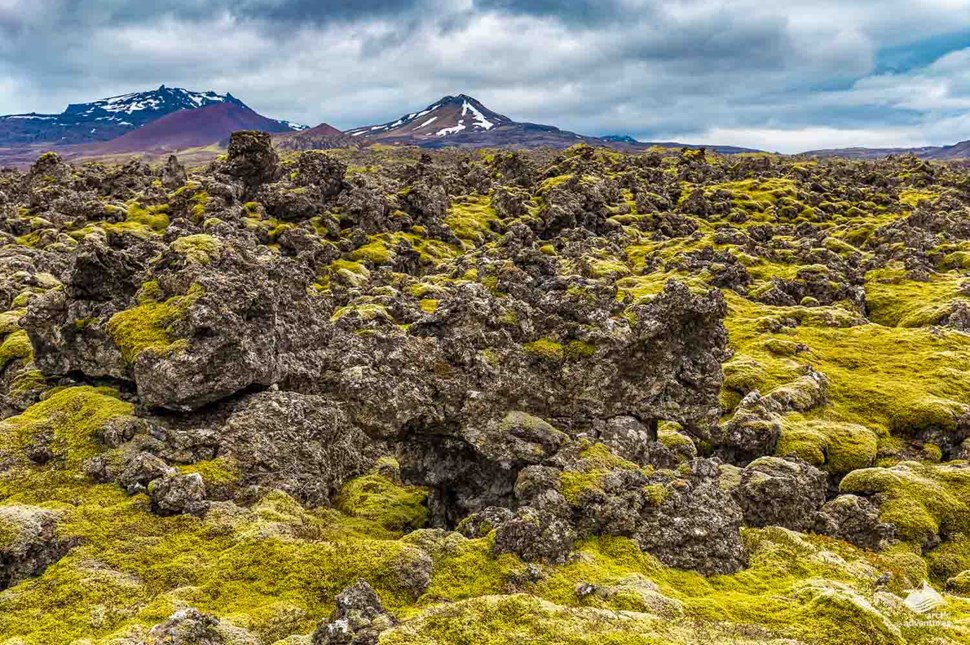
x,y
358,619
302,444
140,470
781,492
854,519
535,536
28,543
173,174
483,522
175,494
252,159
187,627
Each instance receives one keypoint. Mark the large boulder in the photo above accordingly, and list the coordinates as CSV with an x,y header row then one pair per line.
x,y
28,543
359,618
252,159
208,317
854,519
301,444
781,492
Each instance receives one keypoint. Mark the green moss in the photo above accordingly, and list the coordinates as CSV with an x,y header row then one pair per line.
x,y
463,568
378,499
197,249
199,201
221,471
546,349
428,305
869,368
756,196
603,268
147,327
896,301
838,447
579,349
493,620
913,197
273,569
471,219
375,252
71,417
10,321
16,346
365,312
801,587
28,380
153,217
595,462
922,500
552,182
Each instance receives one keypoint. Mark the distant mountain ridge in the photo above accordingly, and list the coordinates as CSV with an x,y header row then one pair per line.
x,y
109,118
959,150
320,137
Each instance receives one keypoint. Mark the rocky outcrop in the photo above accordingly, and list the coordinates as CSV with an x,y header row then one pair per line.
x,y
28,543
854,519
780,492
302,444
358,619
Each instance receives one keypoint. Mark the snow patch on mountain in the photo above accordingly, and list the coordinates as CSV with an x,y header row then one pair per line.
x,y
443,132
480,119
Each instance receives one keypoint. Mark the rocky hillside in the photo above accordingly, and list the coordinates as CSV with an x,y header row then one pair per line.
x,y
320,137
390,396
204,126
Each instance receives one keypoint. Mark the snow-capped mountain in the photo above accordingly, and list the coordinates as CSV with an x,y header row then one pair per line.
x,y
450,116
108,118
139,108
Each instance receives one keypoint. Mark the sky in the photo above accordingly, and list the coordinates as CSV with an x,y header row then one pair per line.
x,y
788,75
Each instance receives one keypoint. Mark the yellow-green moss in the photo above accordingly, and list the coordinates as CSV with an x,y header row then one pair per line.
x,y
147,326
920,499
198,249
154,217
16,346
375,252
546,349
221,471
838,447
368,311
579,349
595,461
471,219
378,499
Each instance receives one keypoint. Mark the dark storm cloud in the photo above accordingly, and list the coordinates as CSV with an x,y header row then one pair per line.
x,y
792,73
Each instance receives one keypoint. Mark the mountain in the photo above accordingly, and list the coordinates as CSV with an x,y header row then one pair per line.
x,y
193,128
452,115
106,119
620,138
959,150
321,137
463,121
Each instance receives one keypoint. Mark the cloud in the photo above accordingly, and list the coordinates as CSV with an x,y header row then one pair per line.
x,y
775,75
